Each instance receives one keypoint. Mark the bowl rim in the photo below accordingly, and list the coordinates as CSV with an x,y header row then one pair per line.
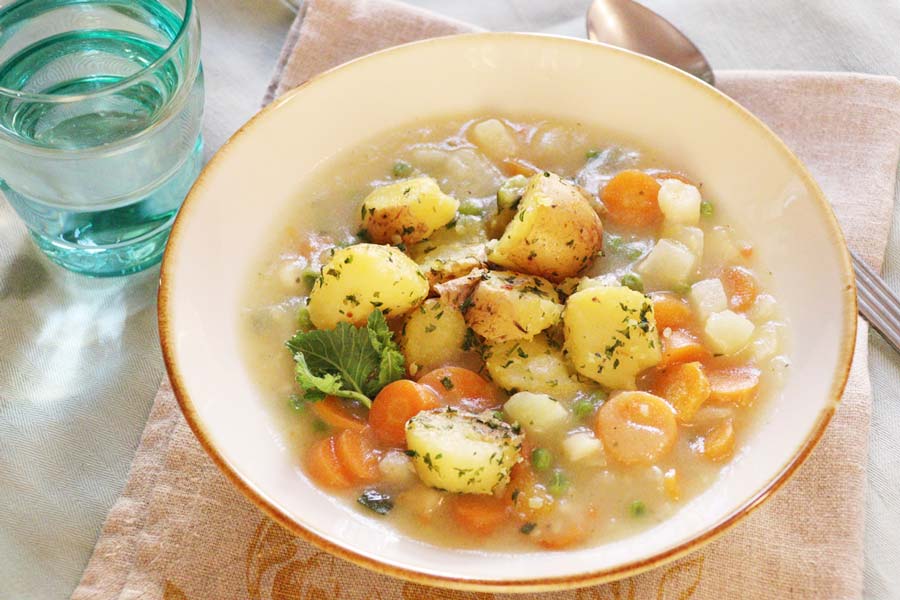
x,y
515,585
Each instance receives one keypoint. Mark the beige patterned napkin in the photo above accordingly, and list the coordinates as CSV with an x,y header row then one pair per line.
x,y
180,531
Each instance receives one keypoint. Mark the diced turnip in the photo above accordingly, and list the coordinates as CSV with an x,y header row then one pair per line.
x,y
707,297
679,202
766,341
727,332
584,447
692,237
669,264
764,308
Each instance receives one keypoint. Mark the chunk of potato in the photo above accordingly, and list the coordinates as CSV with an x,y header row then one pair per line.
x,y
462,452
536,413
494,139
444,262
532,365
407,211
611,335
679,202
508,306
555,233
360,278
432,336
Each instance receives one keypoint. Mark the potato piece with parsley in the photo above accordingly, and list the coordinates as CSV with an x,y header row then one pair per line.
x,y
533,365
509,306
360,278
611,335
407,211
434,334
462,452
555,233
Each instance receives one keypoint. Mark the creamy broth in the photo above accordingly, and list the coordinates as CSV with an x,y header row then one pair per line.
x,y
607,498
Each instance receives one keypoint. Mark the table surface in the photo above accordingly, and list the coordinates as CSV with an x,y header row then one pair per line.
x,y
80,361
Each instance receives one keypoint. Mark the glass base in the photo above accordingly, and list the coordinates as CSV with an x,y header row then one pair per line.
x,y
108,242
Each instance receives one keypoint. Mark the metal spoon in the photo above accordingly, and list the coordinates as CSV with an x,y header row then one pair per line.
x,y
629,25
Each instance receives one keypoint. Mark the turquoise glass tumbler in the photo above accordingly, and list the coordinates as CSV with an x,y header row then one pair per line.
x,y
100,109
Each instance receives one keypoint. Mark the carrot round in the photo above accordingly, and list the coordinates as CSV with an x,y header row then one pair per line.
x,y
631,199
463,388
718,444
671,311
740,287
480,514
336,414
682,346
685,387
558,534
355,451
323,466
737,385
396,404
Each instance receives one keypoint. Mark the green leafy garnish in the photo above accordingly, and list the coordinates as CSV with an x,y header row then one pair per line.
x,y
347,361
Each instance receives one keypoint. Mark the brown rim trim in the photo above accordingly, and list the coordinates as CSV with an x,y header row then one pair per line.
x,y
513,585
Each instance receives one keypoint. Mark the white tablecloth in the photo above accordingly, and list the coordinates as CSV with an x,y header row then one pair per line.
x,y
80,362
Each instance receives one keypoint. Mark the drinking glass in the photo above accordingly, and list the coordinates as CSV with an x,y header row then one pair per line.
x,y
100,110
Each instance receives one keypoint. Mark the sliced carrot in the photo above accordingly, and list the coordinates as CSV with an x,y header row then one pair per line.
x,y
686,388
323,466
477,513
671,311
631,199
463,388
718,444
396,404
682,346
338,414
355,451
517,166
530,500
558,534
740,287
737,385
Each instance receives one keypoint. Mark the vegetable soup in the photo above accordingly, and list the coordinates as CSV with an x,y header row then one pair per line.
x,y
501,334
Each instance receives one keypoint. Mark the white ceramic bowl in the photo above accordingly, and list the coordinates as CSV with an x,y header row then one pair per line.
x,y
754,178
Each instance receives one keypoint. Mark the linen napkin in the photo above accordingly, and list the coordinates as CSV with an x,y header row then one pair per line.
x,y
180,531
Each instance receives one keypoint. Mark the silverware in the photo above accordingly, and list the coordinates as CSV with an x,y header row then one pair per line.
x,y
630,25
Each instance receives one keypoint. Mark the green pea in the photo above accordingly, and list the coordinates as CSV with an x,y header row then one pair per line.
x,y
613,243
468,207
682,289
541,459
402,169
592,153
303,320
637,509
511,191
320,426
706,208
309,278
633,251
559,483
583,408
633,281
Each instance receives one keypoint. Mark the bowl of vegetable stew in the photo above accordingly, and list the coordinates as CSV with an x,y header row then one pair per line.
x,y
529,313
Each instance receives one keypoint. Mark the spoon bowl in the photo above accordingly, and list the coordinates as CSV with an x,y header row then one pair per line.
x,y
629,25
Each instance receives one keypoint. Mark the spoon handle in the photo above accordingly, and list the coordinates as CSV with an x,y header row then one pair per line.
x,y
877,303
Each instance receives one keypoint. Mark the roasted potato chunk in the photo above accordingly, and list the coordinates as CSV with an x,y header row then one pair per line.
x,y
443,263
433,335
509,306
407,211
360,278
555,233
533,365
462,452
611,335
